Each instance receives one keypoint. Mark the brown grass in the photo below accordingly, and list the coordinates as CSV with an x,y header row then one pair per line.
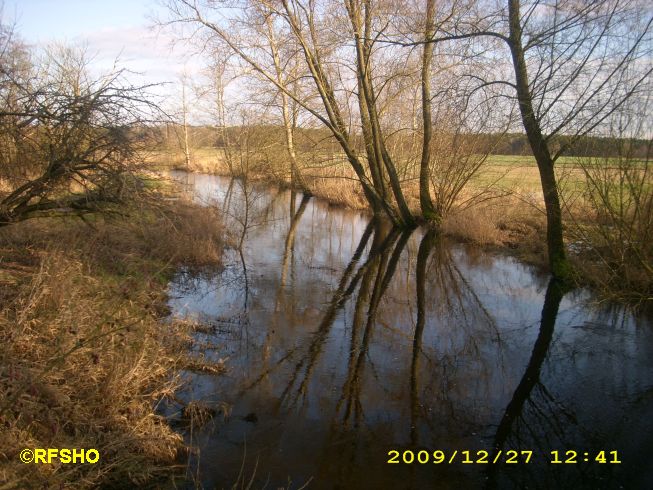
x,y
84,356
202,160
502,224
337,191
478,225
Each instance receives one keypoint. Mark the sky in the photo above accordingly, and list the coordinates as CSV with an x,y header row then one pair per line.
x,y
110,29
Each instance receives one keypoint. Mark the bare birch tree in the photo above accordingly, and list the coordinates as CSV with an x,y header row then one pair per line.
x,y
375,169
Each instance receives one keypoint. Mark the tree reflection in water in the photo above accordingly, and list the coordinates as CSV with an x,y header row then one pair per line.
x,y
364,339
380,265
510,433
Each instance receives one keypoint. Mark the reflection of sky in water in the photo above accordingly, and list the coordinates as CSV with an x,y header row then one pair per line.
x,y
331,399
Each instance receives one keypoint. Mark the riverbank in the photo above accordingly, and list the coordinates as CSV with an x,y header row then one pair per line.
x,y
501,210
85,355
510,220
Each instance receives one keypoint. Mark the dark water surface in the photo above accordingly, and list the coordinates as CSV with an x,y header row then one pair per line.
x,y
346,340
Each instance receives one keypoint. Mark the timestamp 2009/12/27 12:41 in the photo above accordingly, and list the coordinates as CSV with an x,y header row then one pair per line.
x,y
499,456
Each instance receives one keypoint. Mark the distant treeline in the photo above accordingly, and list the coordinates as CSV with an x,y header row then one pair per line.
x,y
308,139
586,146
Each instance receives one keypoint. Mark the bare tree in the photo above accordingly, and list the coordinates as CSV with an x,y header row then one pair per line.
x,y
211,90
184,115
285,69
428,211
75,140
319,48
612,214
568,64
574,65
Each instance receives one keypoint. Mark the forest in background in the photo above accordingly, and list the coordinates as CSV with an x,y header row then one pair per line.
x,y
202,138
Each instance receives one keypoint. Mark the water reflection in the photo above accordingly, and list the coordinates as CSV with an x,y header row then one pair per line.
x,y
349,338
289,248
425,247
510,427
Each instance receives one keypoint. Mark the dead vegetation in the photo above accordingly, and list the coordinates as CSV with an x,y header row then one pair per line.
x,y
611,230
197,413
84,355
201,364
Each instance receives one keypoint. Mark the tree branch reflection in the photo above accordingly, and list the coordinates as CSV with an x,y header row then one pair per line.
x,y
523,394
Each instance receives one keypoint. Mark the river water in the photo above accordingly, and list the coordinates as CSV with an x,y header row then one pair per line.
x,y
349,344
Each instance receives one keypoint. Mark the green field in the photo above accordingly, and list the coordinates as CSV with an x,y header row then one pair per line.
x,y
516,173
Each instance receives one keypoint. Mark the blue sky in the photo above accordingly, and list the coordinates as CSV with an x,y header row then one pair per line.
x,y
41,20
110,29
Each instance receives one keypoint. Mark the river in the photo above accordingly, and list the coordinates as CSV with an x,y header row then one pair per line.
x,y
350,345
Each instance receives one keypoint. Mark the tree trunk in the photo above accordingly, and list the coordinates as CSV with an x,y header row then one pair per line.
x,y
558,264
366,91
296,178
185,123
425,202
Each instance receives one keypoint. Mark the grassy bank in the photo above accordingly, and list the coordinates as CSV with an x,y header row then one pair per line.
x,y
605,203
510,221
84,353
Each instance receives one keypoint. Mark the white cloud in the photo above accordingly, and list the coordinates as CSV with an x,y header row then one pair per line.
x,y
152,54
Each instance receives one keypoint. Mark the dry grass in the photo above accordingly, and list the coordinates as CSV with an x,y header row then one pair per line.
x,y
202,160
197,413
477,225
84,357
201,364
338,191
505,223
